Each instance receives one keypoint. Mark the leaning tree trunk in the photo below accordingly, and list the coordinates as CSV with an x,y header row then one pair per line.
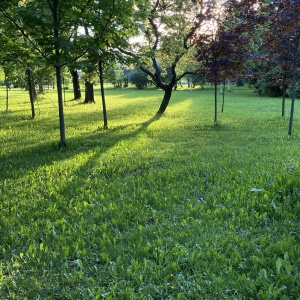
x,y
76,84
102,94
166,99
89,92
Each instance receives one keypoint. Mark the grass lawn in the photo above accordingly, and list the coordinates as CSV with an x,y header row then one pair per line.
x,y
168,208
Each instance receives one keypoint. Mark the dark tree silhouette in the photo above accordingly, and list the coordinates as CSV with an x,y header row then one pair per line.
x,y
222,53
282,43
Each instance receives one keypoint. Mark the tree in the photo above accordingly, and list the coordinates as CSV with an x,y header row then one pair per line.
x,y
15,57
166,39
75,83
107,27
222,52
282,40
49,27
115,75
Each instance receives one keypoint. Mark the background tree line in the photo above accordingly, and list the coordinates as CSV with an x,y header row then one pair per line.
x,y
216,41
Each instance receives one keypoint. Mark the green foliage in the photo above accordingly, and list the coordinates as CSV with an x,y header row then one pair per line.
x,y
269,85
168,208
115,75
138,78
297,91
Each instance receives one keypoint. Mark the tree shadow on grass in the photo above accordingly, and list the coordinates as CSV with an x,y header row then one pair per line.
x,y
16,164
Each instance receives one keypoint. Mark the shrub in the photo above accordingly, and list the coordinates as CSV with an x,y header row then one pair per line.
x,y
297,92
138,78
267,86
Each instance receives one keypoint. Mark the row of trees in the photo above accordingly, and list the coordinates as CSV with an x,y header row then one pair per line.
x,y
257,40
217,40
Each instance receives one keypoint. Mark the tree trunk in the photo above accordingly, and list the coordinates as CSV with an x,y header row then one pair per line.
x,y
7,86
89,92
284,91
283,101
76,84
58,66
7,96
102,94
216,104
41,88
166,99
223,100
294,85
60,107
31,95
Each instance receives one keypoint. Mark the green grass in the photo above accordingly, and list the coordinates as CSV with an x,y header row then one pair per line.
x,y
168,208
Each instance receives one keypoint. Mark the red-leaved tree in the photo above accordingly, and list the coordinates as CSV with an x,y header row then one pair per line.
x,y
282,41
223,52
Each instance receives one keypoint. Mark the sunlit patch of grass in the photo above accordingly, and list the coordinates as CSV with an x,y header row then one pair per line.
x,y
152,208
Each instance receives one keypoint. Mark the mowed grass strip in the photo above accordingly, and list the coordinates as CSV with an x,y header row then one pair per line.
x,y
153,208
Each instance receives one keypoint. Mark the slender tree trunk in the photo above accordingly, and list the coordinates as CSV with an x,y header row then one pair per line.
x,y
7,96
294,85
283,101
284,91
76,84
56,35
166,99
6,85
64,89
216,104
100,66
60,107
223,100
89,92
41,87
31,95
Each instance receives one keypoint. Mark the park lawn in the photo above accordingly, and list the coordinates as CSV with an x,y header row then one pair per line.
x,y
152,208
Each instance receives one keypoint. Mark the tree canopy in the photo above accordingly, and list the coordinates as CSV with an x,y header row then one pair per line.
x,y
230,37
53,29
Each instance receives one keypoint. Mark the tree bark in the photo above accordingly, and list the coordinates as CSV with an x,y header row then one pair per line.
x,y
6,85
166,100
216,104
57,65
102,94
60,107
89,92
283,101
223,100
41,88
7,97
76,84
284,90
31,95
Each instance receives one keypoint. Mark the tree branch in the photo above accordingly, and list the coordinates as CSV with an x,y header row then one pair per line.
x,y
22,31
185,73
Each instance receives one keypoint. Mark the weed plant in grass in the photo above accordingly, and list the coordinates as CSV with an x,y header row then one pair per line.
x,y
168,208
